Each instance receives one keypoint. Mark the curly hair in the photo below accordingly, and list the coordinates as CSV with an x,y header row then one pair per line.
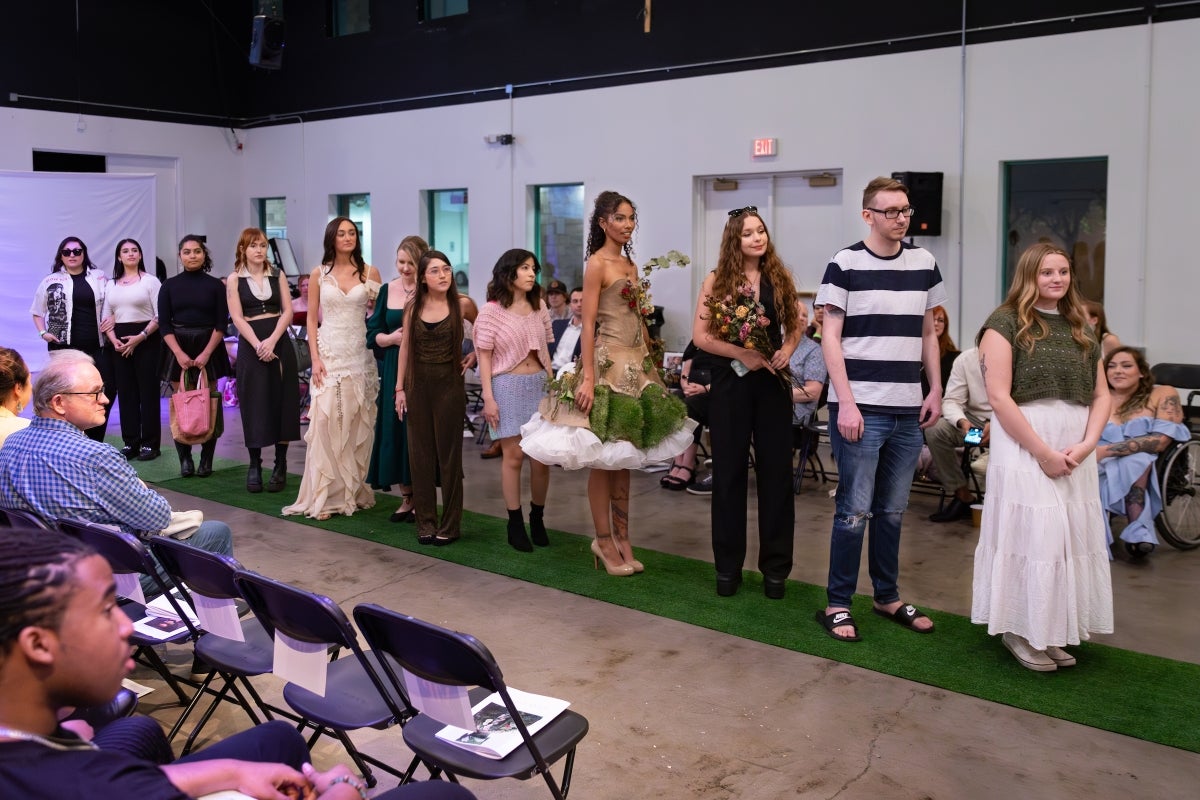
x,y
505,272
607,204
730,275
412,314
330,242
1023,296
191,237
37,578
248,237
58,262
118,267
1141,393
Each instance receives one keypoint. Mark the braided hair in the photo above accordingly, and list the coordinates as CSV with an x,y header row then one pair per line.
x,y
37,578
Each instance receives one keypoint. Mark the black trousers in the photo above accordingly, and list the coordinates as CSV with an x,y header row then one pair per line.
x,y
753,408
139,390
103,363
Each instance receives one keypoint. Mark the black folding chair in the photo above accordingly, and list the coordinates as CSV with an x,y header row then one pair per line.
x,y
459,659
210,575
355,696
14,517
125,553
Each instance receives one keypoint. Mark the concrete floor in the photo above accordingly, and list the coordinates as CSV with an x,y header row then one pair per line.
x,y
683,712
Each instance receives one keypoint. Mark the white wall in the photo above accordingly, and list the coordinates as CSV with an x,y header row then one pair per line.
x,y
1127,94
209,173
1083,94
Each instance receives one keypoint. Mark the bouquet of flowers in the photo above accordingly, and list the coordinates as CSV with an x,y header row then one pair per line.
x,y
742,320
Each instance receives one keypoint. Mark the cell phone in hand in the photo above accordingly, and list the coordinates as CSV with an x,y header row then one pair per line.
x,y
973,436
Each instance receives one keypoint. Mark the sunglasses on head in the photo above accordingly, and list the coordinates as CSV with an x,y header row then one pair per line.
x,y
72,251
737,212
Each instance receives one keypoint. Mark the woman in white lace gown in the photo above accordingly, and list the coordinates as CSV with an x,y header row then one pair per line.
x,y
344,380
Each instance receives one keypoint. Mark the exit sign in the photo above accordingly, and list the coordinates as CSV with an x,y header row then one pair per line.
x,y
764,147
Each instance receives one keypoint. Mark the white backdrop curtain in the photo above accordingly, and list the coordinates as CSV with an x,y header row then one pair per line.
x,y
39,209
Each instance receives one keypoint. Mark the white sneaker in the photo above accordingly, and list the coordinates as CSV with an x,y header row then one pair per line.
x,y
1029,658
1060,657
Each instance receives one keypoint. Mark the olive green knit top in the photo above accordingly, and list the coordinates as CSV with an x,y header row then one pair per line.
x,y
1057,369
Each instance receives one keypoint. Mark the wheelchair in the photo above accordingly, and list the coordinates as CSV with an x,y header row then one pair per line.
x,y
1178,467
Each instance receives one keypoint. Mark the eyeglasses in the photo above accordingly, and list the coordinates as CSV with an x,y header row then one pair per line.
x,y
94,395
892,213
72,251
737,212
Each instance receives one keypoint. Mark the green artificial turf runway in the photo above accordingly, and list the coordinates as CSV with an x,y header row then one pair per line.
x,y
1134,694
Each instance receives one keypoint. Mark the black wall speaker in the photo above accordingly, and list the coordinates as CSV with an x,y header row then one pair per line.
x,y
266,42
925,195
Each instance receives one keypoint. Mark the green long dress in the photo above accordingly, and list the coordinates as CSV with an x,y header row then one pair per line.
x,y
389,455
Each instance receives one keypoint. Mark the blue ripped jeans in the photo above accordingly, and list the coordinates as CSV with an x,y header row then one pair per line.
x,y
874,477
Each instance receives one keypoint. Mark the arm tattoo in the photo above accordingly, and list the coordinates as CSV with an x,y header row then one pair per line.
x,y
1150,443
834,311
1170,409
983,367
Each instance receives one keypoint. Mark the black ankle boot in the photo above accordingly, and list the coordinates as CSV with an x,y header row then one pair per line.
x,y
254,477
516,532
278,480
206,459
187,468
537,528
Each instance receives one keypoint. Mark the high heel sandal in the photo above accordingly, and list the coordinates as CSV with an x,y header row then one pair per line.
x,y
673,482
620,570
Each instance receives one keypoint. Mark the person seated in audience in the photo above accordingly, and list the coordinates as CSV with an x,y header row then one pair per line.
x,y
807,366
1146,420
695,380
54,470
813,331
947,350
964,406
556,297
65,641
15,390
567,341
1109,341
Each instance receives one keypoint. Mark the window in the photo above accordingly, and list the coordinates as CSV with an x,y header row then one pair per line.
x,y
558,220
346,17
357,207
447,213
272,216
438,9
1064,202
49,161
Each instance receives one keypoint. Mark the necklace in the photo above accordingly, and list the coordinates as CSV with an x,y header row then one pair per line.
x,y
53,744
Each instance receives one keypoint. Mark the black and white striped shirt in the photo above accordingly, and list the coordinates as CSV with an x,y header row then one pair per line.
x,y
885,300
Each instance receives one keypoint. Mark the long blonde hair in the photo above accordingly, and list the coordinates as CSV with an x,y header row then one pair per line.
x,y
730,275
1023,296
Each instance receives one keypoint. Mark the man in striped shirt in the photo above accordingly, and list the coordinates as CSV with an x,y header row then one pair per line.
x,y
879,296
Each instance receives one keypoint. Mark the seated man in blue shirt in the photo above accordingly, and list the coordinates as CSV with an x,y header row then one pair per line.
x,y
54,470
